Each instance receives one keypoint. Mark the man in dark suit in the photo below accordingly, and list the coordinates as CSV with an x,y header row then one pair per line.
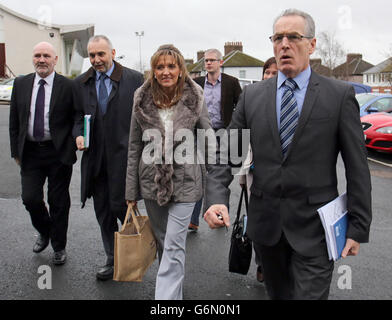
x,y
299,122
105,92
221,93
41,120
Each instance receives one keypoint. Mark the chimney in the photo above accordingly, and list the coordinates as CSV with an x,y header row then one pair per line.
x,y
317,60
353,56
200,55
188,61
232,46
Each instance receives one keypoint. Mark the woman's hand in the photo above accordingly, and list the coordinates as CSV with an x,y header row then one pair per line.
x,y
132,203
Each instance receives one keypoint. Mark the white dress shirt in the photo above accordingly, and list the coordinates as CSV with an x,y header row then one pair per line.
x,y
48,93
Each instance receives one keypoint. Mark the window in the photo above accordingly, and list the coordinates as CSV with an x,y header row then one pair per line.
x,y
242,73
384,104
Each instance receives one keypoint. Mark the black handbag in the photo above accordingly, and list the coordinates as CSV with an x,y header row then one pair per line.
x,y
240,253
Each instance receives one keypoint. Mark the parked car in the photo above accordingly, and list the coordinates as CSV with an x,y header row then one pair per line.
x,y
6,89
377,129
360,88
374,102
245,82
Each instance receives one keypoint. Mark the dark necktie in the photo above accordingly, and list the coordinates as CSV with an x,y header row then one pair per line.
x,y
288,115
102,94
38,130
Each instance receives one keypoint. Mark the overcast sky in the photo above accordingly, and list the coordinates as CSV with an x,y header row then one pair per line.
x,y
192,25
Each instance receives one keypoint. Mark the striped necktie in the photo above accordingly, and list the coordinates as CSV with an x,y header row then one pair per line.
x,y
288,115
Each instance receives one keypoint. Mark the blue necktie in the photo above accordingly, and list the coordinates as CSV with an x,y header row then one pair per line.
x,y
38,129
288,115
102,94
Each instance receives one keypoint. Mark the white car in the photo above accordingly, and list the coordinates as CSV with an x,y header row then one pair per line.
x,y
6,89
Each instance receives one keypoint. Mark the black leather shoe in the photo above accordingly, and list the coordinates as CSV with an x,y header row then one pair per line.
x,y
41,243
105,273
59,257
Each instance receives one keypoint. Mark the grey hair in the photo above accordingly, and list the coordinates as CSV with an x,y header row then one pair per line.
x,y
217,53
100,37
310,28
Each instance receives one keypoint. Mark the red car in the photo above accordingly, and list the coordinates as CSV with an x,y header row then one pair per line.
x,y
377,128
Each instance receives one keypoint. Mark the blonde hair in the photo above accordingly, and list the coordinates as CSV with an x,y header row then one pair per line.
x,y
159,96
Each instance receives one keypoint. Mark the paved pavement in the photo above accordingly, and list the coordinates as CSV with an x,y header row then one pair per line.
x,y
206,277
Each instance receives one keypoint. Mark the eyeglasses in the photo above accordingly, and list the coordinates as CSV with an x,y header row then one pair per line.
x,y
210,60
291,37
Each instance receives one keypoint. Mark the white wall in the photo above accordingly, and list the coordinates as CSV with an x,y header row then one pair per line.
x,y
250,72
20,38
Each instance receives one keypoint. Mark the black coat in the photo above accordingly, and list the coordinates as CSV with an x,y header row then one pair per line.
x,y
61,115
230,93
109,135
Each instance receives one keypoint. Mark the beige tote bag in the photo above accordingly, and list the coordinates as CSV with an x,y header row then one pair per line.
x,y
134,247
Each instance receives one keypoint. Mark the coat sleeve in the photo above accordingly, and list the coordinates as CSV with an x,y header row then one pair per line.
x,y
14,122
135,149
77,129
354,155
220,175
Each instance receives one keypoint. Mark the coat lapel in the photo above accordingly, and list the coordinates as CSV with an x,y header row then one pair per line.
x,y
54,95
271,111
310,99
29,92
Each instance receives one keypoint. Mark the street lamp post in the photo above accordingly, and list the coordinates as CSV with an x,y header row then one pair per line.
x,y
140,34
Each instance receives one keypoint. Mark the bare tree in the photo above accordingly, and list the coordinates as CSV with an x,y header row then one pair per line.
x,y
330,50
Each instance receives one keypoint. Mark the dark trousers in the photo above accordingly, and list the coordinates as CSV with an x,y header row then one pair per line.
x,y
106,216
41,162
289,275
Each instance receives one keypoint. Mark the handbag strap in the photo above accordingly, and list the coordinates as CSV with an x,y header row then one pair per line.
x,y
131,212
244,192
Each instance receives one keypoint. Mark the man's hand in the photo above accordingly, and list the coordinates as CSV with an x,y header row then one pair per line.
x,y
351,248
80,143
212,216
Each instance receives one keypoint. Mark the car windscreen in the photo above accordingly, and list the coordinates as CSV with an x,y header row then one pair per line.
x,y
364,98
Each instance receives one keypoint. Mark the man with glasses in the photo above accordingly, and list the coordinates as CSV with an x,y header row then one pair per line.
x,y
299,122
221,93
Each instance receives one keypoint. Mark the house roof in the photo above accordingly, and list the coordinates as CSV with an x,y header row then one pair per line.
x,y
356,66
233,59
240,59
385,66
317,66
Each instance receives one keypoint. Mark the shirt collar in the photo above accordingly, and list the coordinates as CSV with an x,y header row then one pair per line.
x,y
302,79
108,73
49,79
218,80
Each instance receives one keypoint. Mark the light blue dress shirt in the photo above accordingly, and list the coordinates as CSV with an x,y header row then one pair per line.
x,y
107,81
302,81
212,95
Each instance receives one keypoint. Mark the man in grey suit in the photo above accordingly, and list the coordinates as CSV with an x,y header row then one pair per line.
x,y
299,122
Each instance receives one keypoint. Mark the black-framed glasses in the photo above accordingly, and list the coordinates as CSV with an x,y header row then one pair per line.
x,y
291,37
210,60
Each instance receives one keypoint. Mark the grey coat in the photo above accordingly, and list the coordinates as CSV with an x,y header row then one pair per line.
x,y
166,182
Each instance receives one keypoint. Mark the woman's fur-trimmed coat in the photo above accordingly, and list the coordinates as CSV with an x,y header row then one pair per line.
x,y
167,181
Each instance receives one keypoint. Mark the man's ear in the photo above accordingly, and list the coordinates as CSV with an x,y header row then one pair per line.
x,y
312,47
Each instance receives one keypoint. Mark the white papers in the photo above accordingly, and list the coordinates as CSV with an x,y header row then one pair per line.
x,y
86,135
334,219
